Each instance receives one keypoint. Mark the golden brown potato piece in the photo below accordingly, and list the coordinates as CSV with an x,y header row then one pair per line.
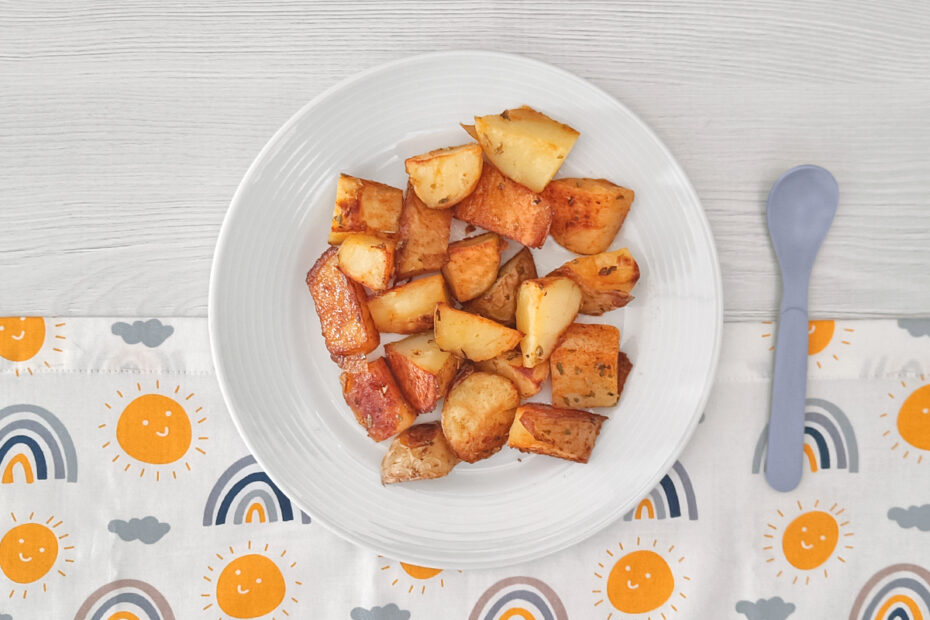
x,y
423,370
472,265
347,325
419,453
584,366
368,260
527,146
507,208
563,433
470,130
586,213
376,400
408,308
624,368
499,302
442,178
365,206
423,238
605,279
472,336
509,365
545,309
477,415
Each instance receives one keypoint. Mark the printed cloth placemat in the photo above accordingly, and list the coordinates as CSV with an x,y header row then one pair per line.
x,y
95,524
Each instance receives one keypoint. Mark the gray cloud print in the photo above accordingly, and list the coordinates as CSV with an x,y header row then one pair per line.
x,y
912,516
151,333
6,617
765,609
915,327
388,612
147,530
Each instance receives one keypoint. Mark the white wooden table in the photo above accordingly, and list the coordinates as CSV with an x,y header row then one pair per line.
x,y
126,126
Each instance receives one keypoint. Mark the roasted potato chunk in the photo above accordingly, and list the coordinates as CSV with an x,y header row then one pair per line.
x,y
586,213
585,367
477,415
499,302
605,279
423,238
368,260
346,322
376,400
408,308
507,208
365,206
509,365
563,433
423,370
472,265
545,309
624,368
527,146
419,453
442,178
472,336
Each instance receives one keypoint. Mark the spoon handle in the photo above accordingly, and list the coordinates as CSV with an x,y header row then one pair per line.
x,y
784,457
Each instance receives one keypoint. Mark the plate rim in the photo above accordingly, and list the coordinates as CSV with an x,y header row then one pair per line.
x,y
221,249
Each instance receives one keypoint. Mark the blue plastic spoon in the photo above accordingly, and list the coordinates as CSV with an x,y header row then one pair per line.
x,y
800,209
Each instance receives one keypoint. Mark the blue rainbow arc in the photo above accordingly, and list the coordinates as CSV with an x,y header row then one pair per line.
x,y
897,592
43,437
673,498
243,489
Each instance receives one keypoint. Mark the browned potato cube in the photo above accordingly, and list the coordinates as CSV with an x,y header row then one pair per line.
x,y
419,453
365,206
442,178
477,415
499,302
423,238
347,325
563,433
376,400
509,365
545,309
605,280
507,208
408,308
472,336
584,366
624,368
368,260
423,370
472,265
586,213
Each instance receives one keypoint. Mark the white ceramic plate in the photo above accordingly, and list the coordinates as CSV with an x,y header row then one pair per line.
x,y
283,391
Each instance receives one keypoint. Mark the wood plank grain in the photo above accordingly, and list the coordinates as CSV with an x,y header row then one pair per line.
x,y
126,127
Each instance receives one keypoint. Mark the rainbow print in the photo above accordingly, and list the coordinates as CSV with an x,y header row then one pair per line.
x,y
673,498
34,445
245,494
124,599
897,592
519,598
829,440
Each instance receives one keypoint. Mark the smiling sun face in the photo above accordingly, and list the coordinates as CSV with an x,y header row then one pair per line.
x,y
251,585
824,340
30,551
909,430
22,338
809,541
642,580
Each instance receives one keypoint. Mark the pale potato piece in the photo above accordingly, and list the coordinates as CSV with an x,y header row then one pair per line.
x,y
507,208
586,213
585,366
470,130
376,400
472,336
563,433
472,265
545,309
423,238
419,453
365,206
368,260
423,370
509,365
408,308
527,146
499,302
477,415
442,178
605,279
345,319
